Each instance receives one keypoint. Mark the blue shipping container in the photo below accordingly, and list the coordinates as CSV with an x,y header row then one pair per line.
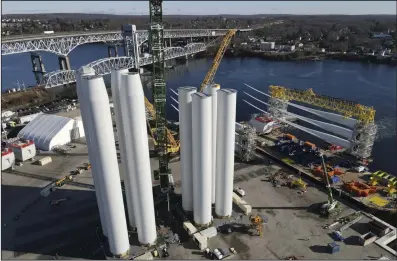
x,y
335,179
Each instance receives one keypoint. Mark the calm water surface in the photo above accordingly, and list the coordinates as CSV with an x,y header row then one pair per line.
x,y
368,84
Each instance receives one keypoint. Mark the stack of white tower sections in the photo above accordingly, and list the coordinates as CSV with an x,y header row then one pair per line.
x,y
121,134
226,125
202,158
104,160
211,90
186,150
87,124
137,154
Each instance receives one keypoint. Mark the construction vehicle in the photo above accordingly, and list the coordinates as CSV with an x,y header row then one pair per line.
x,y
257,222
297,183
87,166
331,207
209,77
62,181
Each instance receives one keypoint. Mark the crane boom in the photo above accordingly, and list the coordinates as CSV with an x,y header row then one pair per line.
x,y
209,77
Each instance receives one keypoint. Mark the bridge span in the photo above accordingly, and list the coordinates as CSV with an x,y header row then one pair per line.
x,y
63,44
105,65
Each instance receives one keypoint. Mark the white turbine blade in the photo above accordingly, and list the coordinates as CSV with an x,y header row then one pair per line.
x,y
174,100
175,108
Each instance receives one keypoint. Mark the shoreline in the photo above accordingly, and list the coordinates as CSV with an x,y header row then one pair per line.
x,y
286,57
303,56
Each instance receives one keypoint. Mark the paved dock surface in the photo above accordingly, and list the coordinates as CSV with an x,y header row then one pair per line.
x,y
33,229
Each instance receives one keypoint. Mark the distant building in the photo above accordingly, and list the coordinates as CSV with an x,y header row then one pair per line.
x,y
267,46
381,36
287,48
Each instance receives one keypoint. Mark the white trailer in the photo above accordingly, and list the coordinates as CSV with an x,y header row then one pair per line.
x,y
7,159
24,150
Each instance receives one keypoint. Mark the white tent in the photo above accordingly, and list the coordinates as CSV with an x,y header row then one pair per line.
x,y
48,131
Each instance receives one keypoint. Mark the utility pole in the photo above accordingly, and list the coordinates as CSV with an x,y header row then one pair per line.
x,y
156,38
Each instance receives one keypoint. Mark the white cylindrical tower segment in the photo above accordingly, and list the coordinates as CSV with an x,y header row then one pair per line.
x,y
121,131
211,90
202,152
186,151
84,71
137,151
227,99
104,160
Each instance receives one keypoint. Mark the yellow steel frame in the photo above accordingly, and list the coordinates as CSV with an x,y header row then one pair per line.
x,y
209,77
173,145
362,113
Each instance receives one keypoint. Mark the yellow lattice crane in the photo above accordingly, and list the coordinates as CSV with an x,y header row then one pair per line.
x,y
362,113
173,145
209,77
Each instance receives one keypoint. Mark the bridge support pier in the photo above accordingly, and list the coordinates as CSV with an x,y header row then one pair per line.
x,y
38,67
64,62
115,49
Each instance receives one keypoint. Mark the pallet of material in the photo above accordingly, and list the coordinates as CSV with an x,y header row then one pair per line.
x,y
44,161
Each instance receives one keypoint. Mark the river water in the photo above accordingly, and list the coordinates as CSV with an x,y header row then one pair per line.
x,y
368,84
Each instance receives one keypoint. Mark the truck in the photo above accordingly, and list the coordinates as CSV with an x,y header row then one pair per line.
x,y
48,32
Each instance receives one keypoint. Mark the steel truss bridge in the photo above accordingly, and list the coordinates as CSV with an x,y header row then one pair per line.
x,y
105,65
63,44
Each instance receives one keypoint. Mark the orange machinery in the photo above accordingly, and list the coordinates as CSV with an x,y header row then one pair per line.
x,y
289,136
359,189
309,145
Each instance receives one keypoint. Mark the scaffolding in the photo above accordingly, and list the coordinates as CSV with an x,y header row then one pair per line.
x,y
245,143
277,108
363,139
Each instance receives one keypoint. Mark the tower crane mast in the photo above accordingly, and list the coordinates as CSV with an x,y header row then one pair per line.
x,y
156,37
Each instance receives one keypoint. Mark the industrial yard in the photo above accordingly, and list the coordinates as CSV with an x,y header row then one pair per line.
x,y
101,178
34,228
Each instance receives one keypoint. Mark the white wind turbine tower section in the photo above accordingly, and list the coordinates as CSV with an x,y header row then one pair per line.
x,y
121,133
226,124
87,129
137,152
202,158
105,164
186,150
212,90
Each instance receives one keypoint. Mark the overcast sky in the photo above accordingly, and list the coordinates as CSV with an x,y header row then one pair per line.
x,y
202,8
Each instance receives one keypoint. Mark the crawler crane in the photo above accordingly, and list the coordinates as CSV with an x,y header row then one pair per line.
x,y
331,207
